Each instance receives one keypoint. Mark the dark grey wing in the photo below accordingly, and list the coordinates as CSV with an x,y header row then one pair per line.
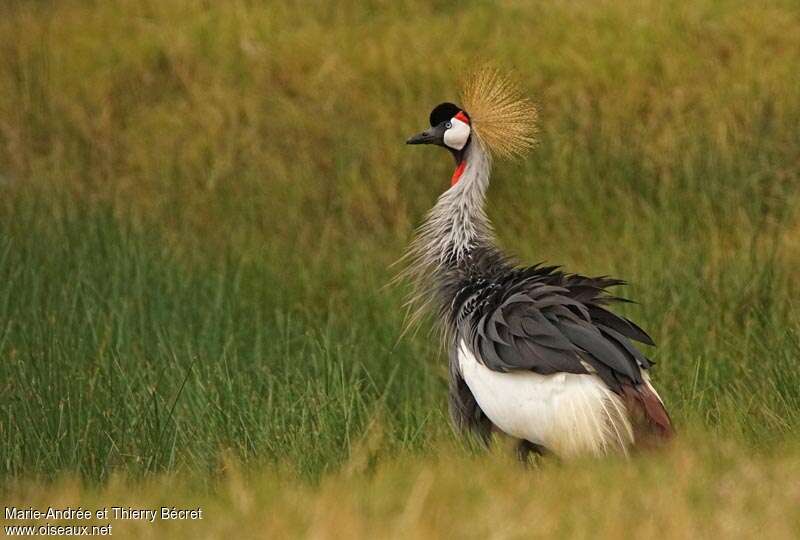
x,y
544,321
465,412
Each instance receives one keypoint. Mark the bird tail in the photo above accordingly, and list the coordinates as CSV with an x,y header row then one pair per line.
x,y
651,421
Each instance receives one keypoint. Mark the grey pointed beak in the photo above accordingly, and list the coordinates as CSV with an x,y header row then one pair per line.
x,y
426,137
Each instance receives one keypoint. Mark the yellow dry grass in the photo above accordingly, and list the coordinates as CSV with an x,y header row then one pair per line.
x,y
697,489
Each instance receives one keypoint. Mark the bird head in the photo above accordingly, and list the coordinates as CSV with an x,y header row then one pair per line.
x,y
449,128
495,112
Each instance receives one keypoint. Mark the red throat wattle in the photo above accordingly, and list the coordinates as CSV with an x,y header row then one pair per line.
x,y
458,172
463,164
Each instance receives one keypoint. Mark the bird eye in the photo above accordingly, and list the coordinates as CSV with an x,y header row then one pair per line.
x,y
448,125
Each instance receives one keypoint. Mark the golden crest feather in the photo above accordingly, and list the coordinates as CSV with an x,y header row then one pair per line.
x,y
500,114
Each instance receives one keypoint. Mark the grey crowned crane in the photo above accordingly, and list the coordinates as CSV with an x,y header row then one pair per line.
x,y
535,353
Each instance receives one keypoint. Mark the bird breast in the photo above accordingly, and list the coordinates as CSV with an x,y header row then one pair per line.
x,y
569,414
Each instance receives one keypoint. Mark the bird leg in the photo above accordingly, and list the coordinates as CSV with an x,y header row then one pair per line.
x,y
526,448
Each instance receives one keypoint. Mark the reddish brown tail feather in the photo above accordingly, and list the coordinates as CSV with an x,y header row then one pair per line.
x,y
649,417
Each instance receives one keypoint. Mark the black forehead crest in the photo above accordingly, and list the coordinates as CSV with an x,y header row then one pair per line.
x,y
443,112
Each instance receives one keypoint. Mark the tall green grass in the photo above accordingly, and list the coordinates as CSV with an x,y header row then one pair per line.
x,y
199,206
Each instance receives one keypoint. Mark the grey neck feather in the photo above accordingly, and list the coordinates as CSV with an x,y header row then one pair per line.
x,y
457,224
454,237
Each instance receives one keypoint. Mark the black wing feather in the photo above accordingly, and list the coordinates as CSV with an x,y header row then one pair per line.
x,y
543,320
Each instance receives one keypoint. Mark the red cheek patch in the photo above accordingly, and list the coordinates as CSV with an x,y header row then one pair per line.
x,y
461,116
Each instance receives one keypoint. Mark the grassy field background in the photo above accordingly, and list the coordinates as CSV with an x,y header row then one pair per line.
x,y
200,202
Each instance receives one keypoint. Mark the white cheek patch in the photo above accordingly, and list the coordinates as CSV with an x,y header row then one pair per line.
x,y
456,137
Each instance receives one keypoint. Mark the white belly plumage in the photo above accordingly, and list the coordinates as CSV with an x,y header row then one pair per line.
x,y
569,414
